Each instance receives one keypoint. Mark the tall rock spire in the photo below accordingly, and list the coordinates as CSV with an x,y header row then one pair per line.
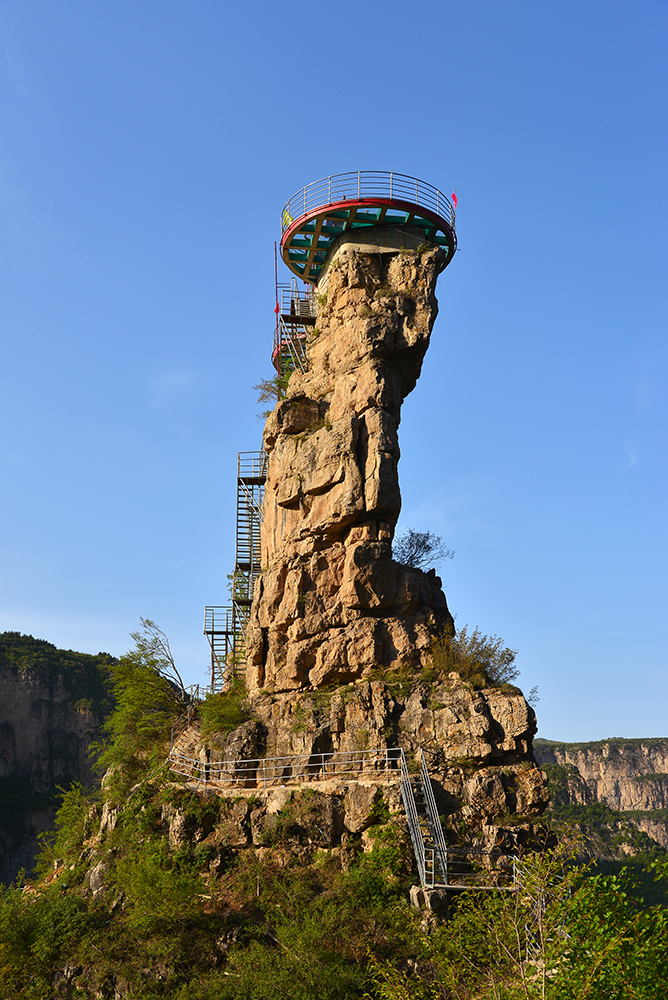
x,y
331,604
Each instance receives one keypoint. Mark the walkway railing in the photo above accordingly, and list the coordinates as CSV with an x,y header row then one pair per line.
x,y
265,772
440,849
361,184
439,866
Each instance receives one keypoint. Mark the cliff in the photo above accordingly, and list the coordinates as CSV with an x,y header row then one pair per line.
x,y
340,641
630,777
52,703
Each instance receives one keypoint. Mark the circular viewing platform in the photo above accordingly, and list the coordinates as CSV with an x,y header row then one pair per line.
x,y
319,213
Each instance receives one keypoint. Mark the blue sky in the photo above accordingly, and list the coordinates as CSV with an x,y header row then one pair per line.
x,y
146,150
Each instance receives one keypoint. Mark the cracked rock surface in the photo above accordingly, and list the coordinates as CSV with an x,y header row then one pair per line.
x,y
331,603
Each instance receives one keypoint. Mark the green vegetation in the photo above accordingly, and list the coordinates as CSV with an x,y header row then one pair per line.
x,y
481,660
303,922
222,712
419,549
164,902
272,390
150,697
608,835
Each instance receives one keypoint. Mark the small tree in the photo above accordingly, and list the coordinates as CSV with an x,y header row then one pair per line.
x,y
418,549
152,647
272,390
149,695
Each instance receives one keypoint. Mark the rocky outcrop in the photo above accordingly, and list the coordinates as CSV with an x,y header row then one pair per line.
x,y
476,744
332,604
340,633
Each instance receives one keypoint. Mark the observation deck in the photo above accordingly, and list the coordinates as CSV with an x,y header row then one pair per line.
x,y
320,212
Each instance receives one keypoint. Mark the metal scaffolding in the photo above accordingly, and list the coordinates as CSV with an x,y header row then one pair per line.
x,y
225,627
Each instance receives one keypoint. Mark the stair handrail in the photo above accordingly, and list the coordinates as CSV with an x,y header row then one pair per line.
x,y
414,828
251,503
435,826
284,338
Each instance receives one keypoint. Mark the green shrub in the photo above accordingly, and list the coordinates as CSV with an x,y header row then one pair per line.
x,y
479,659
73,824
160,888
222,712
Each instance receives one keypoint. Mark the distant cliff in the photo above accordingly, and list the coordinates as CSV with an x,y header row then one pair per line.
x,y
52,704
629,777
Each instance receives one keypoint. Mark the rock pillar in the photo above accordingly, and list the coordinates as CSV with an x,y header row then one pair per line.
x,y
331,604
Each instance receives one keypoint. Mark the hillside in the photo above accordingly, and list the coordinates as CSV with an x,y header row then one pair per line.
x,y
229,885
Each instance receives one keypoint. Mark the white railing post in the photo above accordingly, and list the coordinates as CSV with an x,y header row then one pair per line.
x,y
359,172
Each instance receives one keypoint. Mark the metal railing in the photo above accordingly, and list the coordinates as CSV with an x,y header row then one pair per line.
x,y
252,464
423,856
458,867
361,184
295,301
434,821
474,868
290,342
224,628
270,771
295,316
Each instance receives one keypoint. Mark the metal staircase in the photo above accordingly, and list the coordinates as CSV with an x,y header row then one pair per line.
x,y
225,627
440,866
424,825
295,325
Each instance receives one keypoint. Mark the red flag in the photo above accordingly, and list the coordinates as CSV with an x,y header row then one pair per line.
x,y
454,200
276,309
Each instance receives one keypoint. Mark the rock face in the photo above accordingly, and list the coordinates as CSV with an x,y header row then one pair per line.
x,y
331,603
340,633
477,746
52,704
626,775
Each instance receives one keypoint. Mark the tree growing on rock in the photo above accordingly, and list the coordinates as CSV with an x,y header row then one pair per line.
x,y
419,549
